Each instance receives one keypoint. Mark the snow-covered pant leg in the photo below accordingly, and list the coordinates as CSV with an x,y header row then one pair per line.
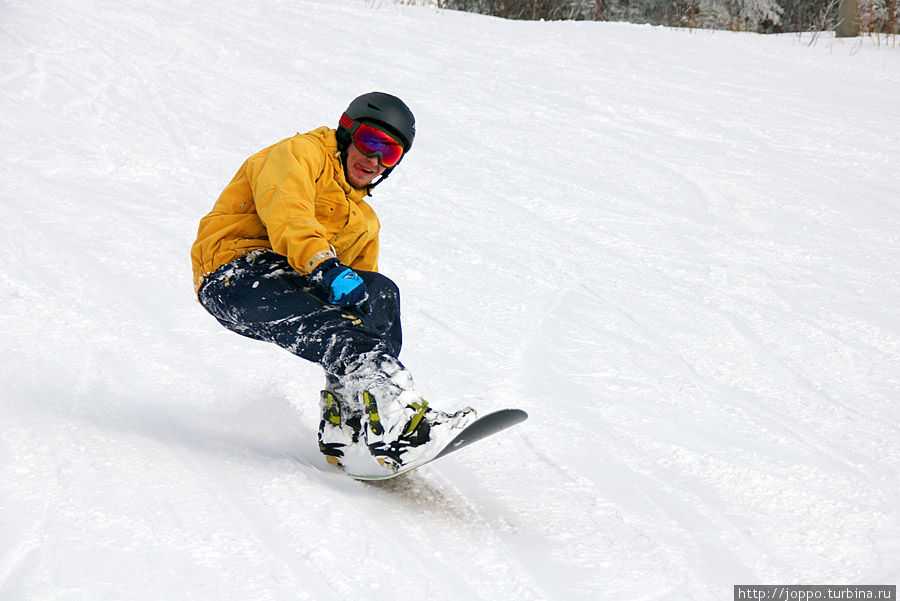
x,y
262,297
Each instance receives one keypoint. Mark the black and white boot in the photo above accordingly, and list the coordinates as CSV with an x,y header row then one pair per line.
x,y
398,427
414,432
339,426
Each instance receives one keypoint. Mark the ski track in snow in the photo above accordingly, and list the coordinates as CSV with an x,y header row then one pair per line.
x,y
678,251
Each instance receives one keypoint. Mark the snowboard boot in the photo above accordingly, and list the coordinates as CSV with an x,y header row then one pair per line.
x,y
413,431
397,426
339,427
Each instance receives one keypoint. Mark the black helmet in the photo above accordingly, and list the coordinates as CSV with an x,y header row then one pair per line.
x,y
384,112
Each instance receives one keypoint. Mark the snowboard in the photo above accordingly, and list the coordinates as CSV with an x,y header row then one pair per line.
x,y
480,428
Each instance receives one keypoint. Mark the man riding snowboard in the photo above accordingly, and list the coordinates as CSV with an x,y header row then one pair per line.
x,y
289,255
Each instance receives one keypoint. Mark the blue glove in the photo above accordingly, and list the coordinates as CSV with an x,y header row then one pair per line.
x,y
345,287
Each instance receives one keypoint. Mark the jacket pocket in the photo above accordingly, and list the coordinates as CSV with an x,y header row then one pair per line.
x,y
332,215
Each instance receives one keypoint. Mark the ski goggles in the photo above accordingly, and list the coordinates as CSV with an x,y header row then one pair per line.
x,y
374,142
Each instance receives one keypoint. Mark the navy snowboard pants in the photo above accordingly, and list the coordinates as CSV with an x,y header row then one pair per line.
x,y
262,297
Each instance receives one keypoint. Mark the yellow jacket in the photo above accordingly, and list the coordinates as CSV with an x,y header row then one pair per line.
x,y
293,198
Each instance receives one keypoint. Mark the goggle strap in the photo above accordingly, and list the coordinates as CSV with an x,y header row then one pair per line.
x,y
347,122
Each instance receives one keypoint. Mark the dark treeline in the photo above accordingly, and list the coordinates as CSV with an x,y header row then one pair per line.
x,y
764,16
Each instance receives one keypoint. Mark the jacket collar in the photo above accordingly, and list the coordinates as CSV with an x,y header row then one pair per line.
x,y
329,140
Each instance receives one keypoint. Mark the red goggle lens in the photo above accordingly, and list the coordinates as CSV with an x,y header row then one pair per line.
x,y
374,142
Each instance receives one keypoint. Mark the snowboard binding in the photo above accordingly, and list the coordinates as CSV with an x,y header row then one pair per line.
x,y
339,427
358,441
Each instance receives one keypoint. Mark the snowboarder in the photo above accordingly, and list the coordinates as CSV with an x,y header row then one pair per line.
x,y
289,255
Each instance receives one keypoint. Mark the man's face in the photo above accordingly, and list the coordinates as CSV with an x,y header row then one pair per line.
x,y
361,170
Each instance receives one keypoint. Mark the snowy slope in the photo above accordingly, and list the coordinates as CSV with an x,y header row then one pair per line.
x,y
678,251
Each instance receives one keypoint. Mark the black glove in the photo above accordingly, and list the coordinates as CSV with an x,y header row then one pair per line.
x,y
345,287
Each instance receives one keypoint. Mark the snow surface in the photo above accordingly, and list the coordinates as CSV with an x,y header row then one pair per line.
x,y
678,251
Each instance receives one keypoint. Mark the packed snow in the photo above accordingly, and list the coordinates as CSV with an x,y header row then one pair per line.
x,y
678,250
